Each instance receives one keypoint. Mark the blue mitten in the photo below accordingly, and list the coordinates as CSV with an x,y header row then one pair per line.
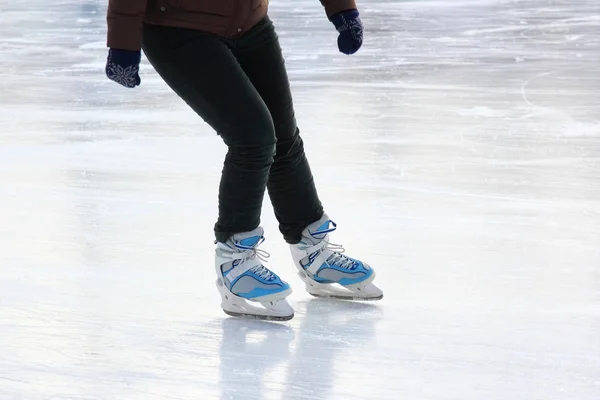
x,y
123,67
350,27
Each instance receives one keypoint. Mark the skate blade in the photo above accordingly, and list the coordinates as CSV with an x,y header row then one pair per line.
x,y
364,291
272,308
346,297
259,317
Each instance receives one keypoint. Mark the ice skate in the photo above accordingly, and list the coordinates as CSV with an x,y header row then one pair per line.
x,y
247,288
326,271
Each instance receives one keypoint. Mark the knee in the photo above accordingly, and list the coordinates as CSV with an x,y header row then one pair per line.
x,y
255,145
251,141
252,133
255,157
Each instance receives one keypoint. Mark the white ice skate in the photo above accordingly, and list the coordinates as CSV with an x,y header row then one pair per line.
x,y
242,280
329,273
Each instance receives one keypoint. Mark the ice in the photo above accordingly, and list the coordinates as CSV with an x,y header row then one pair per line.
x,y
459,152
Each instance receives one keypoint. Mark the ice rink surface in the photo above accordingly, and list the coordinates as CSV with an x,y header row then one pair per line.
x,y
459,152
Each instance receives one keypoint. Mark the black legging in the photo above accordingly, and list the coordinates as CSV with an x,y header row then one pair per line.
x,y
240,87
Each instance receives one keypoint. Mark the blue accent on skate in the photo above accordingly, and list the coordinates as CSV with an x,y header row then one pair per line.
x,y
257,293
324,229
350,281
275,285
250,242
362,270
311,258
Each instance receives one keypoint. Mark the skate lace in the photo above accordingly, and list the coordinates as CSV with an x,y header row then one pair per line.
x,y
262,272
250,253
338,258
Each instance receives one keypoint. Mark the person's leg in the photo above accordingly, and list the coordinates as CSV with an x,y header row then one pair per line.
x,y
202,70
290,185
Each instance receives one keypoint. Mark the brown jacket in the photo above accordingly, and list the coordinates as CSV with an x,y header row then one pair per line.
x,y
228,18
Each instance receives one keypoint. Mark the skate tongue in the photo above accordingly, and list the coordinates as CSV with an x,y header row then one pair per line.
x,y
248,240
323,229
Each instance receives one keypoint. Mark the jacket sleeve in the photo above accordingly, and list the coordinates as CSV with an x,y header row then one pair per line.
x,y
335,6
125,19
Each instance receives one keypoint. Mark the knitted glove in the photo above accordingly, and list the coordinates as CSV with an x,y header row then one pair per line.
x,y
123,66
350,27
